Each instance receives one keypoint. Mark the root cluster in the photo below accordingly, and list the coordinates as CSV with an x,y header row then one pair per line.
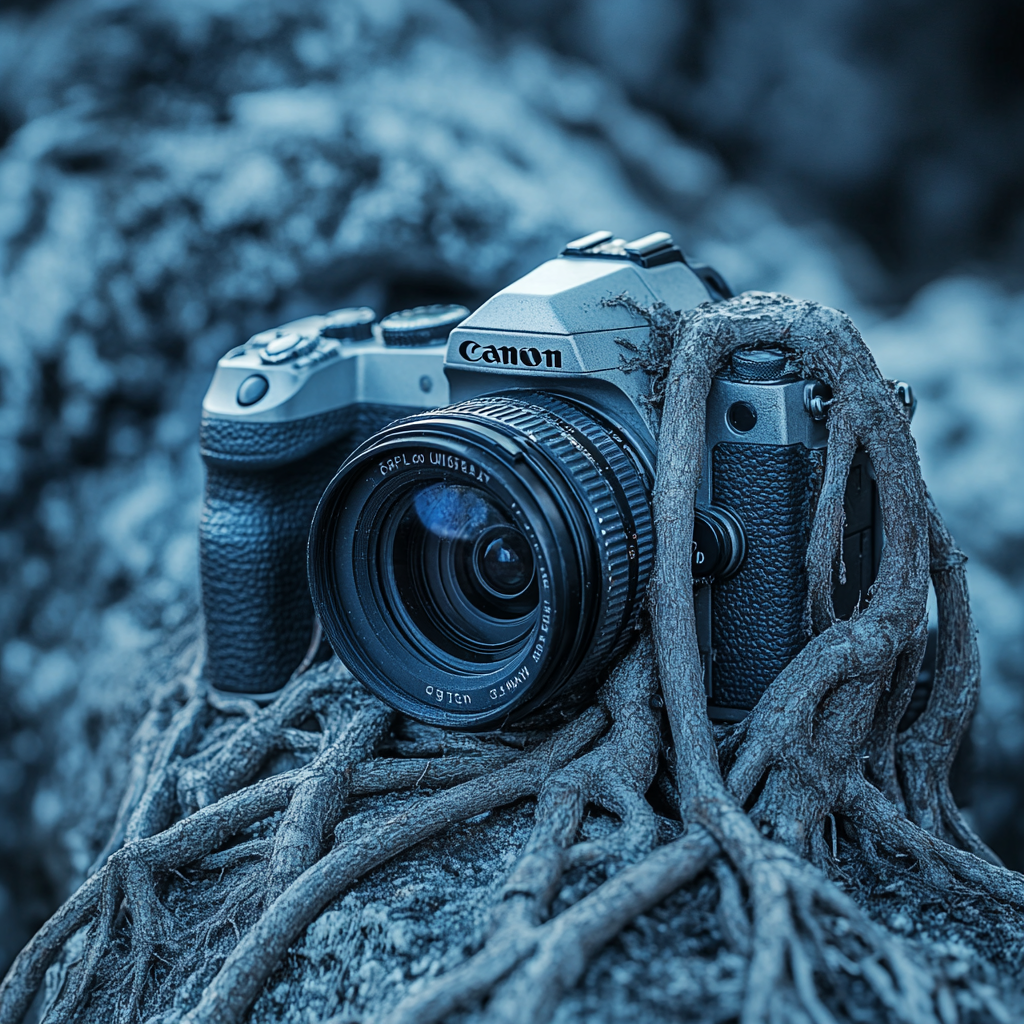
x,y
278,811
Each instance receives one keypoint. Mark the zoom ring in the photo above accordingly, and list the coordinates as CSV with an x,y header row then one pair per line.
x,y
612,492
633,502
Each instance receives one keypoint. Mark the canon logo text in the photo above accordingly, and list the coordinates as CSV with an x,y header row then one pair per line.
x,y
509,355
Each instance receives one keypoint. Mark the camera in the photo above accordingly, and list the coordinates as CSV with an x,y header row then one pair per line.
x,y
483,552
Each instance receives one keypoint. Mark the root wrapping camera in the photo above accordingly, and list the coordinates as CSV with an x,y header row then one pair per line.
x,y
464,500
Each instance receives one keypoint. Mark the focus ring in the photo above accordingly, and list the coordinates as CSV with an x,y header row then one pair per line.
x,y
634,499
607,481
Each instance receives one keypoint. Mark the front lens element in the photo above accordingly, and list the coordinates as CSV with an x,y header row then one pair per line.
x,y
428,558
503,561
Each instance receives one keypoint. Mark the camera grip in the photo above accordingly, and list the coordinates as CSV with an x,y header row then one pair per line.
x,y
758,617
252,554
263,483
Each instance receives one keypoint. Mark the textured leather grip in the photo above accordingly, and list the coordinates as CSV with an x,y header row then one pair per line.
x,y
758,617
252,540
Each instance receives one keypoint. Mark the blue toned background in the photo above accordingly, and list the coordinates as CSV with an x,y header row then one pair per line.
x,y
177,175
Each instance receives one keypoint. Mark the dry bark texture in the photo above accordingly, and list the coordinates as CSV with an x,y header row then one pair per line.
x,y
325,859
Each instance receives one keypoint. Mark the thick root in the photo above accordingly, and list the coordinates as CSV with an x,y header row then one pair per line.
x,y
281,809
361,844
805,929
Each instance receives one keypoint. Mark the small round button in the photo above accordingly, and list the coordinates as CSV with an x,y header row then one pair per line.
x,y
423,325
252,389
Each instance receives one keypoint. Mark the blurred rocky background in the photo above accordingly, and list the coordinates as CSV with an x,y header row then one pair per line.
x,y
177,174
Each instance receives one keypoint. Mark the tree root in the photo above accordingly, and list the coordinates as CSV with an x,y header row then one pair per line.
x,y
790,758
362,843
941,866
280,810
536,964
614,775
793,907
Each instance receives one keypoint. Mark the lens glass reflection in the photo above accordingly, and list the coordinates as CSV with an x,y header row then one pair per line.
x,y
461,569
504,562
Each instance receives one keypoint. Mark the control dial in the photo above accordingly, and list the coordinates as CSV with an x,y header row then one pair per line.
x,y
422,325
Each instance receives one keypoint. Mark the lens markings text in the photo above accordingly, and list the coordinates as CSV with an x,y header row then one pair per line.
x,y
446,461
448,696
542,636
400,460
510,684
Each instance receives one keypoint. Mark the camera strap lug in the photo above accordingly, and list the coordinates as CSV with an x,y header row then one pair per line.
x,y
817,399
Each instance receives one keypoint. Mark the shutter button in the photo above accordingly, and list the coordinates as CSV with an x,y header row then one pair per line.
x,y
252,389
289,345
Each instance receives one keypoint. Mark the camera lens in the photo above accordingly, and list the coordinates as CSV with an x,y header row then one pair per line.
x,y
477,563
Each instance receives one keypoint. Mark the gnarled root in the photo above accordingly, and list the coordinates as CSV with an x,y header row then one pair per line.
x,y
804,931
280,810
925,752
615,776
362,843
789,762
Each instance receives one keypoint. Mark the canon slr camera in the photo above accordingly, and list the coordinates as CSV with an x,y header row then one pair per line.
x,y
469,496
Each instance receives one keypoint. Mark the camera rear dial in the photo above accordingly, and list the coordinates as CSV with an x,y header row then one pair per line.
x,y
473,563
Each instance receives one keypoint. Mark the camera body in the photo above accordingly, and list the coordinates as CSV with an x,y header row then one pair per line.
x,y
560,328
483,552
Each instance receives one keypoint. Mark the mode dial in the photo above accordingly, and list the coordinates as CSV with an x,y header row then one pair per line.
x,y
422,325
762,365
352,324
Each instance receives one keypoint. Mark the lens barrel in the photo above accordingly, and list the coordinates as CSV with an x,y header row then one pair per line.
x,y
476,562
